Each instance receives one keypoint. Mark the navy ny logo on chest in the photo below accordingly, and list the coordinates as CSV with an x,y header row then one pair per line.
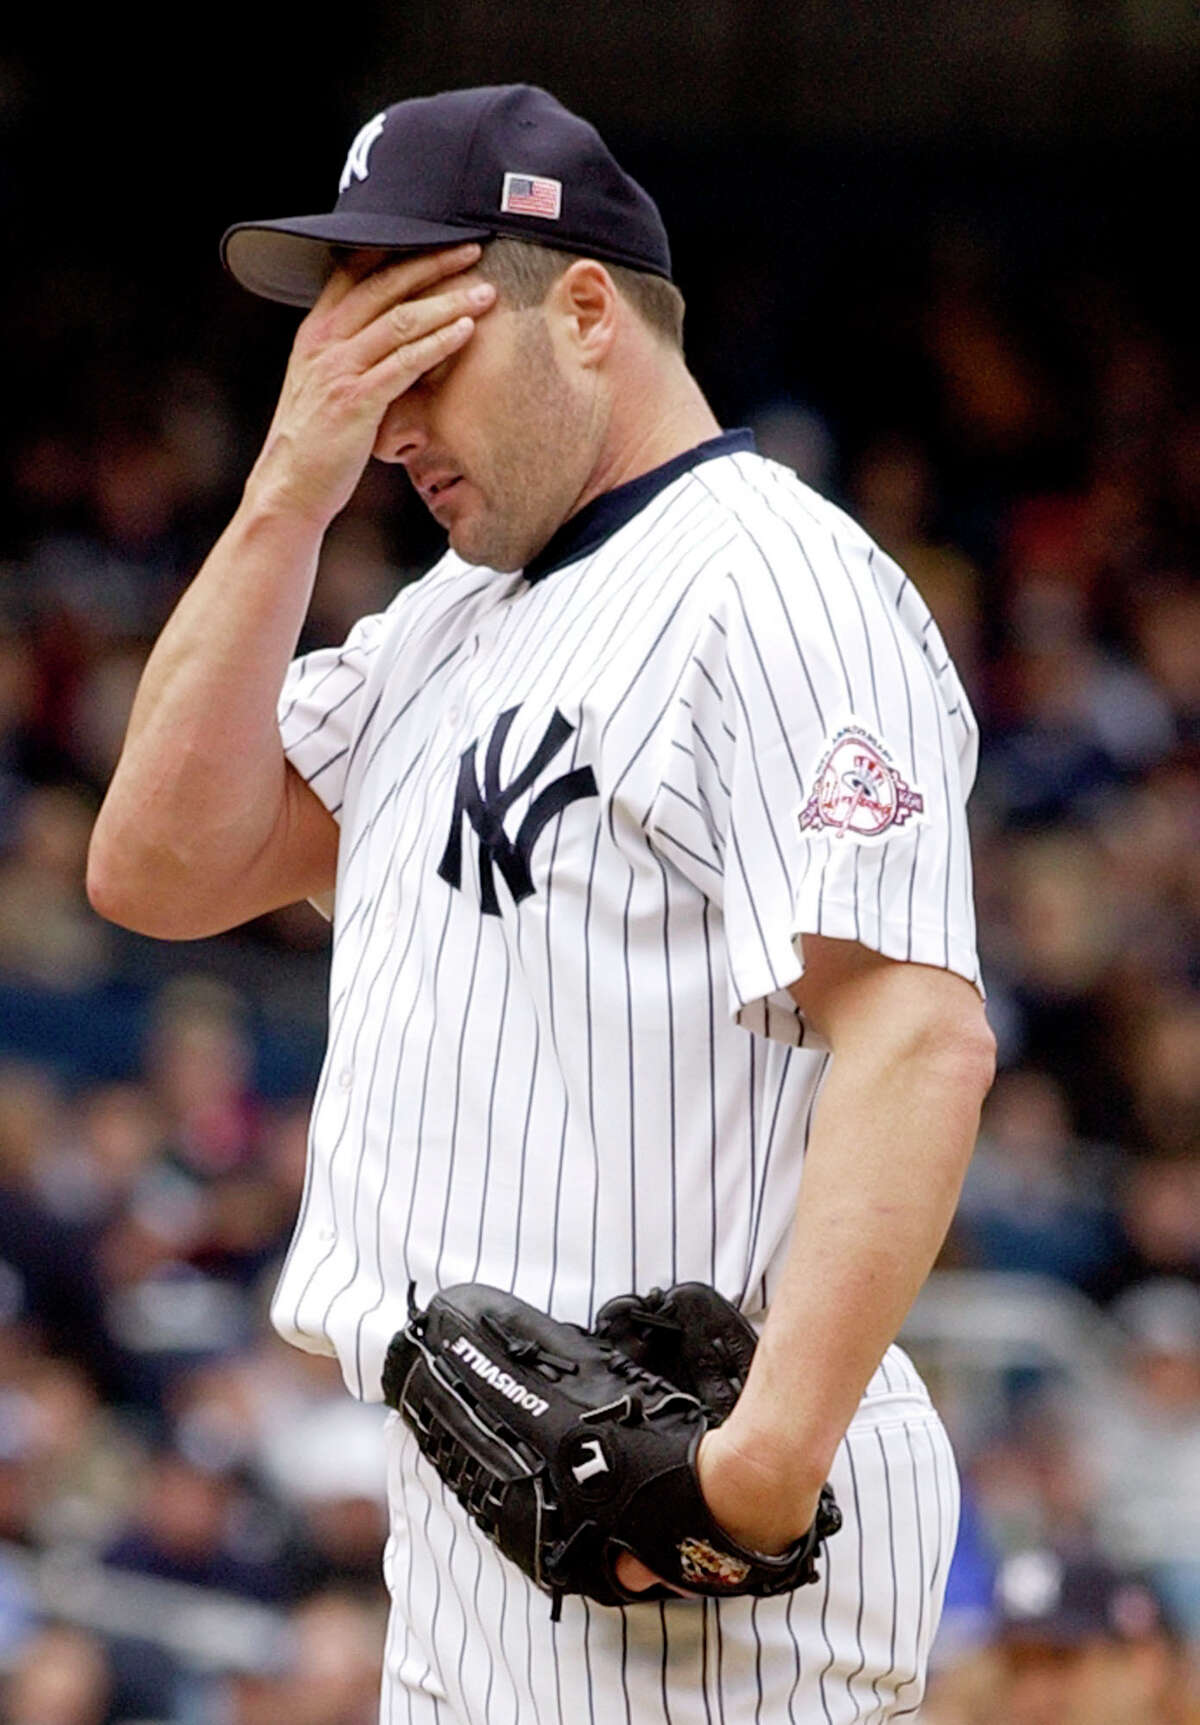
x,y
485,809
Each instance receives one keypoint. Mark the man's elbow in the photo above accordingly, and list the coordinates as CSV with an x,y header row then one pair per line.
x,y
111,890
960,1043
925,1021
978,1057
123,888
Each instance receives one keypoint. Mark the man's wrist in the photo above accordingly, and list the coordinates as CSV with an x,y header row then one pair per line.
x,y
764,1496
271,509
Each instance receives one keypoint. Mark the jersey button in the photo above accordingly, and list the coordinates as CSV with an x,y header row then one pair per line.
x,y
345,1078
453,715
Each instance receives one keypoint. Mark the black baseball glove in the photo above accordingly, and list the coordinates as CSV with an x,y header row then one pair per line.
x,y
569,1446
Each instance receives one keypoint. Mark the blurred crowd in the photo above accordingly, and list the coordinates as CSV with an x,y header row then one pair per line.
x,y
1043,492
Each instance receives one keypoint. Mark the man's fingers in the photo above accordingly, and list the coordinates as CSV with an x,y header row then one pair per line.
x,y
635,1577
337,388
400,326
355,295
351,268
633,1574
402,366
411,270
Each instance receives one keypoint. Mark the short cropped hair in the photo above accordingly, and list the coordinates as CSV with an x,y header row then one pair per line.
x,y
523,272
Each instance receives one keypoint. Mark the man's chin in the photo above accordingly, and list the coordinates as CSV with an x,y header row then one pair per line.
x,y
482,553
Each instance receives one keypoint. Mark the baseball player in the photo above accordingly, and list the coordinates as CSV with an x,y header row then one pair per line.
x,y
643,818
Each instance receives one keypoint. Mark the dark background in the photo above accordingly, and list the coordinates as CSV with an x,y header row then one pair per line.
x,y
819,167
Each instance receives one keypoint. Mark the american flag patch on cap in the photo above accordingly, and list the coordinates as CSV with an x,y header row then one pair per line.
x,y
531,195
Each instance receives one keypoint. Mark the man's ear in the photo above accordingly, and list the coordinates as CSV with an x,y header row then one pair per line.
x,y
585,303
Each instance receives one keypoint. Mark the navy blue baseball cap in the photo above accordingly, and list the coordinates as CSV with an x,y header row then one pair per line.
x,y
1046,1597
463,165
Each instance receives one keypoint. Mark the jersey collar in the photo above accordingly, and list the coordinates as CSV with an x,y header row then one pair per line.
x,y
599,519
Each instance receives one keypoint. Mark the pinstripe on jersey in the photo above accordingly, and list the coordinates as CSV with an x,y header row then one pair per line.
x,y
560,1097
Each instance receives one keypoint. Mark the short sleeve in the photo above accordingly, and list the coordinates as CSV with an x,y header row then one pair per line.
x,y
821,754
320,709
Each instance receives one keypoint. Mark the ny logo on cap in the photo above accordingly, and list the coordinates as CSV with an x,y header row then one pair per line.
x,y
357,161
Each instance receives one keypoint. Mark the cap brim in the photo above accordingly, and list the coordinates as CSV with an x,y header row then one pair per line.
x,y
291,259
1064,1630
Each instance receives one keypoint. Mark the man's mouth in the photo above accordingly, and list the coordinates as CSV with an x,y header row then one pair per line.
x,y
432,489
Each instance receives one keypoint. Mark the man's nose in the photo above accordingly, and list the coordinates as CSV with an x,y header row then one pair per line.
x,y
401,434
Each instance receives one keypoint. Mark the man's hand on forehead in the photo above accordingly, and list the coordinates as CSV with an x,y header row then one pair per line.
x,y
377,327
365,283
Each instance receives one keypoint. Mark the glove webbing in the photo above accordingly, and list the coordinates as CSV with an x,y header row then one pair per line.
x,y
473,1484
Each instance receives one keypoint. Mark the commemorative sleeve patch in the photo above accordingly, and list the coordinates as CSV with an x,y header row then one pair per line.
x,y
857,790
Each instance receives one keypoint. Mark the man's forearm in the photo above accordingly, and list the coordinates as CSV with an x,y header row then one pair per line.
x,y
890,1142
200,784
204,825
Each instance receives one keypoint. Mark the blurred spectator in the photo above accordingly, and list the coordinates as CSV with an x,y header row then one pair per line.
x,y
355,577
330,1462
1050,954
63,1677
17,1499
112,567
967,1607
201,1527
198,1063
282,1421
337,1666
1164,1072
80,1466
48,935
1051,757
994,398
800,438
18,1610
1142,1445
1081,1641
249,1698
17,694
1035,1197
1029,1477
56,1286
1150,850
31,1123
329,1674
100,711
113,1138
1166,631
1077,1642
893,494
1159,1222
239,1410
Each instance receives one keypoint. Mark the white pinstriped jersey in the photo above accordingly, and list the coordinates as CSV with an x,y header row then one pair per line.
x,y
588,814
